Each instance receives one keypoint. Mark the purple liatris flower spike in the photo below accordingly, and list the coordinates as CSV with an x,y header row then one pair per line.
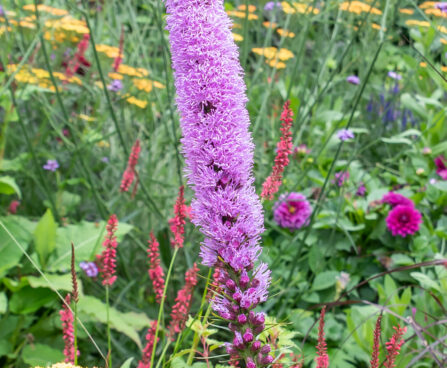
x,y
218,152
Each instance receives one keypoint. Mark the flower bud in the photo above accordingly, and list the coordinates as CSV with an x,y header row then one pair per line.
x,y
265,349
242,318
231,284
256,345
237,296
244,280
250,363
268,359
248,336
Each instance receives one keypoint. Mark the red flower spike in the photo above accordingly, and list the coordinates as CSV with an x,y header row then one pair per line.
x,y
68,330
107,259
177,224
156,273
322,358
129,173
119,58
145,361
393,346
376,344
284,149
79,58
180,309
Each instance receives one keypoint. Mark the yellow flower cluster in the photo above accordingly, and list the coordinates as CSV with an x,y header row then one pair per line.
x,y
46,9
3,29
284,33
135,101
406,11
146,85
242,13
270,25
237,37
132,72
436,12
25,22
292,8
428,4
110,51
424,24
273,57
67,24
358,7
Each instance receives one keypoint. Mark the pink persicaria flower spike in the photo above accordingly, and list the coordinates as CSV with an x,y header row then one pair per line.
x,y
322,357
403,220
107,259
12,209
292,211
273,182
68,330
180,310
441,168
156,273
129,173
119,58
177,223
218,151
396,199
145,361
393,346
75,65
376,344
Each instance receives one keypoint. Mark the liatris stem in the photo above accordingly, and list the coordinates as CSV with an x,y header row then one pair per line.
x,y
109,341
284,147
160,311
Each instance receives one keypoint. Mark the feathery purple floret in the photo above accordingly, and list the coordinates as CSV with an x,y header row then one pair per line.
x,y
218,150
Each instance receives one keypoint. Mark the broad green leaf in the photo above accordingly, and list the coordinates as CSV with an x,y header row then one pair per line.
x,y
45,237
127,323
58,282
425,281
126,364
324,280
29,300
10,254
9,186
3,303
87,238
41,355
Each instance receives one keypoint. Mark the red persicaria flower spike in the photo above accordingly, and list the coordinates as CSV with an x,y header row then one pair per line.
x,y
376,344
322,358
156,273
74,280
129,173
284,149
145,361
67,330
393,346
79,58
107,259
180,309
177,224
119,58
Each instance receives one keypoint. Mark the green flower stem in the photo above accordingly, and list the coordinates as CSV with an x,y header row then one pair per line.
x,y
75,332
160,311
109,343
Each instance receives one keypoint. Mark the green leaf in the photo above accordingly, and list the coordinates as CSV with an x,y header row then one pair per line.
x,y
3,303
45,237
425,281
126,364
41,355
324,280
58,282
86,237
10,254
29,300
127,323
9,186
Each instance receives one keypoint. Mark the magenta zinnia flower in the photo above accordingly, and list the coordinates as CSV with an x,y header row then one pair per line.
x,y
218,153
403,220
396,199
292,211
441,168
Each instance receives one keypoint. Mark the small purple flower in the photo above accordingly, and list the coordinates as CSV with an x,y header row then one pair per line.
x,y
361,190
67,52
90,268
51,165
115,86
345,134
53,56
340,178
292,211
353,79
394,75
105,160
2,12
442,6
271,5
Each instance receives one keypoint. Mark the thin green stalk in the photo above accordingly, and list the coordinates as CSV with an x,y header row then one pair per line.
x,y
75,332
163,298
196,338
109,342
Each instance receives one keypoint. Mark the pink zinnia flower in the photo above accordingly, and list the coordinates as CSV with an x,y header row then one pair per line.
x,y
129,173
322,358
441,168
68,330
396,199
145,361
177,224
403,220
156,273
393,346
107,259
180,309
284,149
292,211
